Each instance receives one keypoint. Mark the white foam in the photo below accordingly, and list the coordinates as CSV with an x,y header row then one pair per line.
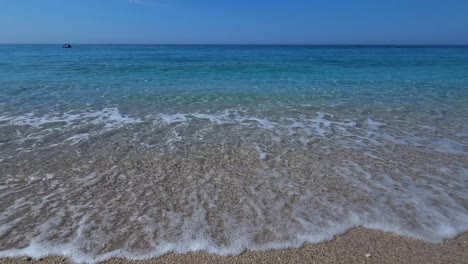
x,y
263,156
176,118
321,125
313,215
374,124
225,117
108,118
315,225
324,126
447,146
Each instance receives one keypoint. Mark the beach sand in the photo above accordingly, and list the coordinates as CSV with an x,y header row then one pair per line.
x,y
359,245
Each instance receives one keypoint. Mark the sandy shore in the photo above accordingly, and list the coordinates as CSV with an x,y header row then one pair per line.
x,y
359,245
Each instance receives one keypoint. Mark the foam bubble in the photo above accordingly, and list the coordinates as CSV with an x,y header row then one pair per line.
x,y
374,124
44,126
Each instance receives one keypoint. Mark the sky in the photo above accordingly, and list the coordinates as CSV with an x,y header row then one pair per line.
x,y
235,21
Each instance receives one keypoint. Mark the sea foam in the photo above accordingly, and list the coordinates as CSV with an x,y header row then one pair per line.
x,y
226,182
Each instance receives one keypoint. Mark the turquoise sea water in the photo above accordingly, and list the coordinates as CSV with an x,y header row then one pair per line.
x,y
139,150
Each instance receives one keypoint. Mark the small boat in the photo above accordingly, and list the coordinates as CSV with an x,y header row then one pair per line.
x,y
66,46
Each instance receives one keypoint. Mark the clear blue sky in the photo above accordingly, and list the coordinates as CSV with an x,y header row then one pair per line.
x,y
235,21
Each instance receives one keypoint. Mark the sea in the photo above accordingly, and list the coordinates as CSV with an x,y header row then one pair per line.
x,y
136,151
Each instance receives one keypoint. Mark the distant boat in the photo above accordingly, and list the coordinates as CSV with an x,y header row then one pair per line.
x,y
66,46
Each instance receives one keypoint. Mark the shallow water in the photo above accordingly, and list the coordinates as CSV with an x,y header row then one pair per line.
x,y
137,151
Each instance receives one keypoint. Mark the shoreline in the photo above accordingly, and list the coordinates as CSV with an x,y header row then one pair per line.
x,y
358,245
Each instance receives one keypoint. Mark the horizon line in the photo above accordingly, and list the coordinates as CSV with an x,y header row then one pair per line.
x,y
234,44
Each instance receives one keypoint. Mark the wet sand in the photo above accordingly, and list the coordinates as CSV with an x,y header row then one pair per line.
x,y
359,245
